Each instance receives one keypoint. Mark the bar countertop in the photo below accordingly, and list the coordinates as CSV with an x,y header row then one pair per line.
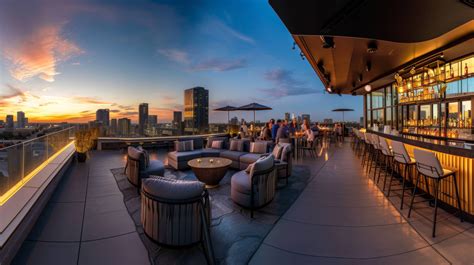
x,y
445,146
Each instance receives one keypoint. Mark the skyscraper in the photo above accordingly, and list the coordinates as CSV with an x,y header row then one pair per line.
x,y
177,117
103,116
306,117
196,109
142,118
287,116
152,120
113,126
124,127
20,119
9,122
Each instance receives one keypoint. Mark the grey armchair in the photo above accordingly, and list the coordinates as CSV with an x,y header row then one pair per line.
x,y
139,166
177,213
255,188
284,163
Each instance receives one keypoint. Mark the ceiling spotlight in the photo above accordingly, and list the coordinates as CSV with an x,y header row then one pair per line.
x,y
368,66
329,89
372,47
368,88
302,55
328,42
354,93
360,78
294,46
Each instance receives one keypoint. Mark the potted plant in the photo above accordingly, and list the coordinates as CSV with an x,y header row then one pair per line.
x,y
83,143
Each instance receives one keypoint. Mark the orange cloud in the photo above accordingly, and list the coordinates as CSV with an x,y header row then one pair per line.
x,y
39,54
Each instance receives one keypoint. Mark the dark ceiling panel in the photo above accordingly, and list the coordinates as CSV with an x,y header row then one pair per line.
x,y
390,20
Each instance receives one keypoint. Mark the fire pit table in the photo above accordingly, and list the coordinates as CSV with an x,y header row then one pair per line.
x,y
210,170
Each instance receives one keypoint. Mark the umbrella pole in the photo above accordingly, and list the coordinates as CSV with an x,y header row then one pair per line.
x,y
228,121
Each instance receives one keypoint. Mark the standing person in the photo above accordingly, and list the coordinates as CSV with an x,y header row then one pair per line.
x,y
275,128
305,125
293,127
244,129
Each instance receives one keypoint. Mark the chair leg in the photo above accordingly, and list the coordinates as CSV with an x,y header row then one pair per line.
x,y
403,189
435,206
413,195
458,198
206,240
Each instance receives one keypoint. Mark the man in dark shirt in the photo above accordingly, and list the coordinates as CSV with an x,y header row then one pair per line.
x,y
283,131
275,129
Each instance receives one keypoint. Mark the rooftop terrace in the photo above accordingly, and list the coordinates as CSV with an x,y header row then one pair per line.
x,y
330,213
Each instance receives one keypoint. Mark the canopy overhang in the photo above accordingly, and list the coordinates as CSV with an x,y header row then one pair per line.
x,y
403,33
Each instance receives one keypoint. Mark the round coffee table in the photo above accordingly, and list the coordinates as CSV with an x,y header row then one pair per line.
x,y
210,170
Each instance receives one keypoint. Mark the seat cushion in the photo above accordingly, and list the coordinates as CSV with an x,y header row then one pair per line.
x,y
236,145
173,189
212,139
155,168
210,152
240,181
262,164
258,147
232,155
249,158
184,156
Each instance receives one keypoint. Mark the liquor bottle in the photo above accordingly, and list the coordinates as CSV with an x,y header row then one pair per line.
x,y
466,70
452,72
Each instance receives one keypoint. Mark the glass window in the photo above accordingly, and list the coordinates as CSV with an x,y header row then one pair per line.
x,y
435,114
453,114
466,114
377,99
388,96
378,116
388,116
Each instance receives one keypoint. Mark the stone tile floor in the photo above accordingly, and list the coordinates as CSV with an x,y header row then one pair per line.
x,y
341,217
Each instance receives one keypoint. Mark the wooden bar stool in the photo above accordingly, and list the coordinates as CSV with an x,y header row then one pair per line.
x,y
429,166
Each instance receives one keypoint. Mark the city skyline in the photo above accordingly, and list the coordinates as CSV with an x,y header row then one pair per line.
x,y
67,59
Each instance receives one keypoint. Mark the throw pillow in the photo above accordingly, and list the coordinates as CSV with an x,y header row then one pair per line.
x,y
146,155
189,145
217,144
277,151
236,145
258,147
183,146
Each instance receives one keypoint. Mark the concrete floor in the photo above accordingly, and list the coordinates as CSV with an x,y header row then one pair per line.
x,y
341,217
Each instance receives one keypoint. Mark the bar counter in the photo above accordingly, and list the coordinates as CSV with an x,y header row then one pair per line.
x,y
456,156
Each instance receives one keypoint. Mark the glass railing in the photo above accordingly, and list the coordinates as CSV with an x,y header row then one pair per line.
x,y
19,162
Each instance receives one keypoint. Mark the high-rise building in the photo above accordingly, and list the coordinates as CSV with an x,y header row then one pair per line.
x,y
287,116
328,121
177,118
124,125
152,120
20,119
113,126
234,121
196,109
9,122
306,117
103,116
142,118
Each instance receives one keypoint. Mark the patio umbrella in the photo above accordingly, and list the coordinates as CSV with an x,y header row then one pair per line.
x,y
342,110
253,107
228,109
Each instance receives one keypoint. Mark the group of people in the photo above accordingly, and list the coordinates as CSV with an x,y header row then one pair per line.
x,y
275,130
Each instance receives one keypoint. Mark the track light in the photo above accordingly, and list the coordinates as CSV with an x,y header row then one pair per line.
x,y
328,42
302,55
329,89
368,88
354,93
368,66
372,47
294,46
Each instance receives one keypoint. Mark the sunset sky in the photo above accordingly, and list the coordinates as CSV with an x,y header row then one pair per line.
x,y
61,60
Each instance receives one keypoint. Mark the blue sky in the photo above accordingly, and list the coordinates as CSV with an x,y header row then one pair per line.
x,y
62,60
